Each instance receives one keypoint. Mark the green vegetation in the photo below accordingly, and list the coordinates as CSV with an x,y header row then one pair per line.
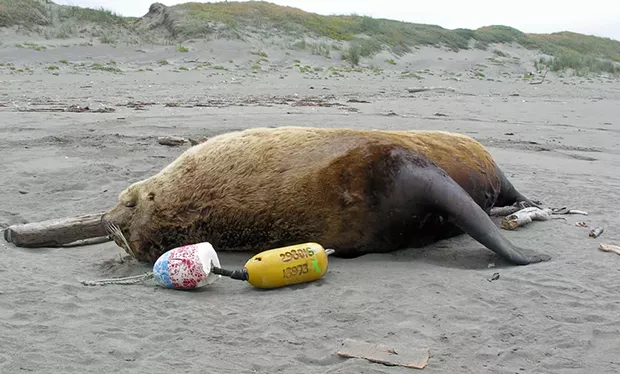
x,y
30,13
97,16
570,42
25,12
62,21
109,68
410,75
353,55
31,45
355,37
583,65
366,36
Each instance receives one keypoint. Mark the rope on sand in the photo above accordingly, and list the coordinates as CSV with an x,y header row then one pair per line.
x,y
126,280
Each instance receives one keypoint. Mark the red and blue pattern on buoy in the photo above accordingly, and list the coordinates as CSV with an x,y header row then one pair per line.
x,y
186,267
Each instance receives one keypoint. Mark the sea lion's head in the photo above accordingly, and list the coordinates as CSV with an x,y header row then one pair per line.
x,y
128,221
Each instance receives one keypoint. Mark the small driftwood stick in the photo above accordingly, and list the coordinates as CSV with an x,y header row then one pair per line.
x,y
56,232
89,241
525,216
575,211
565,210
172,141
609,248
423,89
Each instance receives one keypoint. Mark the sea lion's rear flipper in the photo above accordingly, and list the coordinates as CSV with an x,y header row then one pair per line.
x,y
426,187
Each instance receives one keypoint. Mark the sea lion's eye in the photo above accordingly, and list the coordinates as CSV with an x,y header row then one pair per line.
x,y
151,196
130,204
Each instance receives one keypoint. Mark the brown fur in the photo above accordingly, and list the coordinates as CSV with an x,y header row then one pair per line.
x,y
263,188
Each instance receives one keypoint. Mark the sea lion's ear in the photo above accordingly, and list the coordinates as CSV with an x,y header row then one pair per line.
x,y
151,196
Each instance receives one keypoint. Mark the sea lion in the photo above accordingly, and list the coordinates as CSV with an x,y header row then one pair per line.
x,y
355,191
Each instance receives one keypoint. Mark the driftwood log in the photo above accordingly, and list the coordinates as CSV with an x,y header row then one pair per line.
x,y
525,216
80,230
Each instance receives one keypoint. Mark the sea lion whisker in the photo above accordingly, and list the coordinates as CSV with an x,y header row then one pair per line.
x,y
116,232
106,226
110,231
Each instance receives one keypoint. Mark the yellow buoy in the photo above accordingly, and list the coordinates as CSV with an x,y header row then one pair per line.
x,y
279,267
284,266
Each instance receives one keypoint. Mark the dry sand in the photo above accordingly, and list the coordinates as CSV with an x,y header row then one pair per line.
x,y
554,317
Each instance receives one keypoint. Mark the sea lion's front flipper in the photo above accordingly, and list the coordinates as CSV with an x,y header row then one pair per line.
x,y
430,187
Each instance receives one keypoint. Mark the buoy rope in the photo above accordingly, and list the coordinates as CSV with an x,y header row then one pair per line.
x,y
126,280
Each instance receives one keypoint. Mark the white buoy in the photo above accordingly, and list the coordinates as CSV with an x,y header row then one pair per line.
x,y
182,268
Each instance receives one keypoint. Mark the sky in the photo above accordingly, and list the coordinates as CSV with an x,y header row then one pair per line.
x,y
594,17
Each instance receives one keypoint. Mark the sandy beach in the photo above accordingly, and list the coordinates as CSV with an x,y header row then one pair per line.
x,y
557,141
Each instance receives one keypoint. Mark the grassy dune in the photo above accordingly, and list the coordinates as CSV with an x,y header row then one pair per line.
x,y
355,36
